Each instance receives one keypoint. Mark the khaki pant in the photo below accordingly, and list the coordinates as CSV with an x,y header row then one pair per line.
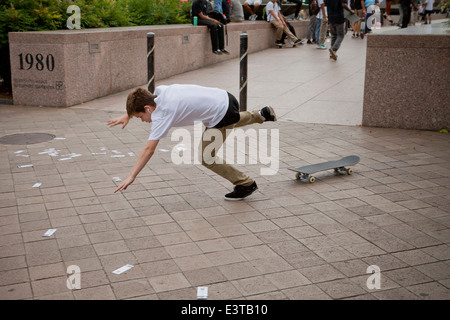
x,y
280,29
218,165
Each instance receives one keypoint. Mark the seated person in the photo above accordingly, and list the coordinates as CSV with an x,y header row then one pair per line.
x,y
200,9
252,12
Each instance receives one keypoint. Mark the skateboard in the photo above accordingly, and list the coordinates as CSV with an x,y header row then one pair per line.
x,y
363,26
339,166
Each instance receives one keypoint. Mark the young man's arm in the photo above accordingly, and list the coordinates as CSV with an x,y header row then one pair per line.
x,y
142,160
119,120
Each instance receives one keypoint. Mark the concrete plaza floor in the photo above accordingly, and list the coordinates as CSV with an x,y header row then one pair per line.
x,y
289,240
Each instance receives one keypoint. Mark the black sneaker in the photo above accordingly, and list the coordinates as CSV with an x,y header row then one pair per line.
x,y
218,52
299,41
240,192
268,113
224,51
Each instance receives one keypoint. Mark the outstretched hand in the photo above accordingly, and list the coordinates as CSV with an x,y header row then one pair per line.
x,y
125,184
120,120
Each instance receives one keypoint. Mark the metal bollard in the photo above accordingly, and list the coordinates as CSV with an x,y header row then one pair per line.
x,y
151,61
243,72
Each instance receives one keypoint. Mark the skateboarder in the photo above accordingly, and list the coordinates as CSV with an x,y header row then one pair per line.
x,y
181,105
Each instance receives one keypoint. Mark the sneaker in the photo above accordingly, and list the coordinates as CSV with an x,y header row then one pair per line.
x,y
225,51
309,41
279,43
333,54
253,17
268,113
240,192
298,41
322,46
218,52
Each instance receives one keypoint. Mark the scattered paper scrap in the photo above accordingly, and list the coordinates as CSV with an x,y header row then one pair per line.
x,y
63,159
37,184
102,149
163,150
51,152
59,138
23,155
25,166
202,293
123,269
131,154
19,151
116,152
116,179
97,153
49,232
117,156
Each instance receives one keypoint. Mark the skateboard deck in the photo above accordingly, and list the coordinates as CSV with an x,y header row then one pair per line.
x,y
305,172
363,26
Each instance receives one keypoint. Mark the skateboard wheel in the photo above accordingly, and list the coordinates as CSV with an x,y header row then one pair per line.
x,y
349,171
297,176
311,179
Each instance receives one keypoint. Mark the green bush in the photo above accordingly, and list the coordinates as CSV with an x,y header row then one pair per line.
x,y
38,15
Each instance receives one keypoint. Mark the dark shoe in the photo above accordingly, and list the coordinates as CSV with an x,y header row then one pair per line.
x,y
268,113
308,42
225,51
240,192
299,41
278,43
218,52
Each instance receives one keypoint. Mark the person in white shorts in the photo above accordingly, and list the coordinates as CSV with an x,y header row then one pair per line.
x,y
252,12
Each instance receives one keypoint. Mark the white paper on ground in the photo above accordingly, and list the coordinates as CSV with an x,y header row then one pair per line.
x,y
49,232
25,166
123,269
37,184
202,292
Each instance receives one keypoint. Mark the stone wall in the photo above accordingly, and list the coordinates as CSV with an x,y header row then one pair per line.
x,y
407,79
69,67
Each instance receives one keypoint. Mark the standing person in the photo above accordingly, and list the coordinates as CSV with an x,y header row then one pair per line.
x,y
218,6
406,8
181,105
312,23
298,7
321,26
276,19
369,11
336,19
387,12
200,9
415,12
253,12
358,6
428,5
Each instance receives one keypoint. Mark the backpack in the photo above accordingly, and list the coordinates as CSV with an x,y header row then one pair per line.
x,y
214,14
314,8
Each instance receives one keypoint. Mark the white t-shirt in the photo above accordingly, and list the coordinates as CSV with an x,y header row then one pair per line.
x,y
180,105
429,6
272,6
320,14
